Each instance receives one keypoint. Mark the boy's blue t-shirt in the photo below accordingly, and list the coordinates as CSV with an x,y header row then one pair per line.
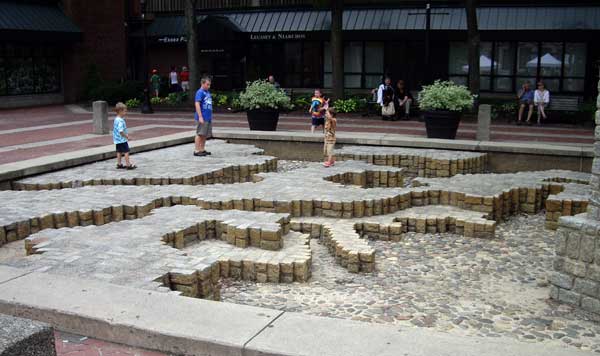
x,y
118,127
205,99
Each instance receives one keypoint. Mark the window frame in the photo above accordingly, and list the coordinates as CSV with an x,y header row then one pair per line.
x,y
363,73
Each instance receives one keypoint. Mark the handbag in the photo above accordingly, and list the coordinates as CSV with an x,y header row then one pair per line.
x,y
388,110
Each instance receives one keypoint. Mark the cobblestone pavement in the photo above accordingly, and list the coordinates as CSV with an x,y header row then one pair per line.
x,y
446,282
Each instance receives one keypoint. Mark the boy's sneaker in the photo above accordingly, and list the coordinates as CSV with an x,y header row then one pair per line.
x,y
326,164
200,154
207,153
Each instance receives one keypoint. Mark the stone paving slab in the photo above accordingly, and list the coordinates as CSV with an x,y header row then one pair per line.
x,y
23,337
228,163
572,200
418,162
198,327
307,335
134,317
169,250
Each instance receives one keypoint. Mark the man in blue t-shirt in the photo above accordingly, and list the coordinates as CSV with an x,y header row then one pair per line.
x,y
203,116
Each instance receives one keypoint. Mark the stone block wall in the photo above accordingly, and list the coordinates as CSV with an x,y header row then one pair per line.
x,y
576,276
421,166
227,175
369,179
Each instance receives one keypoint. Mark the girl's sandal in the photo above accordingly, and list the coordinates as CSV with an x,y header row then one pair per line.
x,y
131,166
120,166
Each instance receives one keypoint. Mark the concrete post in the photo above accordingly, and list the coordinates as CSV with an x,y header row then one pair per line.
x,y
594,205
484,120
100,117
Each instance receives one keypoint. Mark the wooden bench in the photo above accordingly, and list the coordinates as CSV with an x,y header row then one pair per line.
x,y
563,103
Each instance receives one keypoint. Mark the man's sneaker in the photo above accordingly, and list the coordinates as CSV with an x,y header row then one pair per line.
x,y
199,154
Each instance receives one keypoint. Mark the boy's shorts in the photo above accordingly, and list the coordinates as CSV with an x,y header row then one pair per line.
x,y
318,121
328,148
204,129
122,147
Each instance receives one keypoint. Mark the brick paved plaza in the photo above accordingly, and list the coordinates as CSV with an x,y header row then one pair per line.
x,y
408,237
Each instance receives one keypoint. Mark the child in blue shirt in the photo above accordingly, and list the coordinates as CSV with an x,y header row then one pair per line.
x,y
120,137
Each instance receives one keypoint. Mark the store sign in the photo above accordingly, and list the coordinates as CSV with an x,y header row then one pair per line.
x,y
172,39
277,36
212,50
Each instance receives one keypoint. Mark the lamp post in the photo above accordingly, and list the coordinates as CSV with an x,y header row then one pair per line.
x,y
146,107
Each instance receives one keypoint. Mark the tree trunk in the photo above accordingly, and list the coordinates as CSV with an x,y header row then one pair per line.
x,y
337,48
473,42
192,47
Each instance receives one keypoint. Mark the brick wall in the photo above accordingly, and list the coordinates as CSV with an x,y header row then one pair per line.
x,y
104,43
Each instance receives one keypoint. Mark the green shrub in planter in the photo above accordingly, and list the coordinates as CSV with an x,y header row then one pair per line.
x,y
176,98
157,100
260,95
133,103
445,96
346,105
301,102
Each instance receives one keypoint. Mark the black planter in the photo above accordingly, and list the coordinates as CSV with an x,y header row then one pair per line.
x,y
442,124
263,120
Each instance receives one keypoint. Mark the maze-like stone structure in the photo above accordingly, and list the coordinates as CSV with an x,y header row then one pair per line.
x,y
174,165
174,248
418,162
341,205
500,195
345,238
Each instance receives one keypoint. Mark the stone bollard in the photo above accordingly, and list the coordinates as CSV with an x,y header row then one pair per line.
x,y
484,120
100,117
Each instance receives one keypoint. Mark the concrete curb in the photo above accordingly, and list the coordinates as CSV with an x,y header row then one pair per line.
x,y
181,325
18,170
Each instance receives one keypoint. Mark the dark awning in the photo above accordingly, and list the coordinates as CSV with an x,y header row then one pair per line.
x,y
490,19
35,22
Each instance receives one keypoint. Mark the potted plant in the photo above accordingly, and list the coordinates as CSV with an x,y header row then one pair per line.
x,y
262,103
443,104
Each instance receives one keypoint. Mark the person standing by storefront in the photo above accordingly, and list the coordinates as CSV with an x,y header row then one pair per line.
x,y
402,101
155,81
185,79
271,79
203,116
174,80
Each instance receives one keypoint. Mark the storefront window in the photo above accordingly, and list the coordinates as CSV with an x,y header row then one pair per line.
x,y
534,61
527,58
28,70
363,64
353,57
551,59
575,55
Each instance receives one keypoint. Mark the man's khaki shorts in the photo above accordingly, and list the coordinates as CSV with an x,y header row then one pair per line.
x,y
328,148
204,129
